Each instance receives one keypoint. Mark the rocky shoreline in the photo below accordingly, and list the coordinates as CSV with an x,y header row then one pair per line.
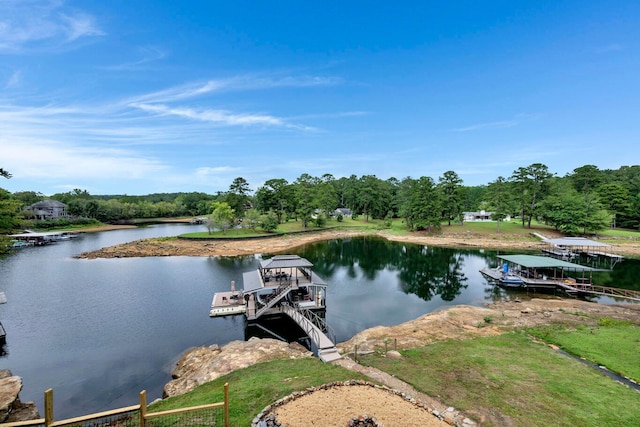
x,y
11,408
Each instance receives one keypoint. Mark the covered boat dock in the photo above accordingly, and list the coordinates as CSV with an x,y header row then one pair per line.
x,y
540,271
597,254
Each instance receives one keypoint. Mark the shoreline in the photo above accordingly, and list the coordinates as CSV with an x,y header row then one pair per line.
x,y
280,243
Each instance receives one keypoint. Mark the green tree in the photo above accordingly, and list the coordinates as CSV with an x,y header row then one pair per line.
x,y
221,217
270,222
28,197
586,179
422,205
449,185
195,203
616,199
305,198
373,197
572,212
9,213
251,219
500,200
326,196
531,185
472,197
238,196
275,195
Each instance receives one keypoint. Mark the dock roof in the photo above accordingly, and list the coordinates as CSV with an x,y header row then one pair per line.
x,y
532,261
285,261
576,242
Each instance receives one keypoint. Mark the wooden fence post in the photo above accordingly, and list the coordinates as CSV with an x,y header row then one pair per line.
x,y
226,405
143,407
48,407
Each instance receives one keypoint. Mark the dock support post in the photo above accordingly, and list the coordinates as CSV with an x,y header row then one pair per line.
x,y
48,407
143,408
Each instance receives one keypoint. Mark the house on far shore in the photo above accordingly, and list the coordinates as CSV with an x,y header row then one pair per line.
x,y
346,213
47,209
481,216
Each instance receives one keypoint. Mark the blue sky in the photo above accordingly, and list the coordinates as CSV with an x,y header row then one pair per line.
x,y
139,97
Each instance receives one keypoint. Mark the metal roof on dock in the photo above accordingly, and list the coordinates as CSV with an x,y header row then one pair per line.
x,y
576,242
532,261
286,261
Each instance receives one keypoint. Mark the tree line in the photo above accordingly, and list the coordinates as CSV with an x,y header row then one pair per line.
x,y
586,200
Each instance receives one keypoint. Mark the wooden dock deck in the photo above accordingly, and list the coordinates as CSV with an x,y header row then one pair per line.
x,y
227,304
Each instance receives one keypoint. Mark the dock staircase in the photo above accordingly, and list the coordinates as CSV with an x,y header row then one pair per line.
x,y
280,293
315,328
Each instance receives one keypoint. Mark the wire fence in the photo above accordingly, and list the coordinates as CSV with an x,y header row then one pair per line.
x,y
214,414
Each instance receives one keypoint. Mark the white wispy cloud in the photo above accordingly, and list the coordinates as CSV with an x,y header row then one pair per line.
x,y
31,24
13,80
215,116
79,25
147,56
55,159
236,83
488,125
501,124
208,171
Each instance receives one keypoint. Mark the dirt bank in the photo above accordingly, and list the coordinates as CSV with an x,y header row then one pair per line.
x,y
462,321
183,247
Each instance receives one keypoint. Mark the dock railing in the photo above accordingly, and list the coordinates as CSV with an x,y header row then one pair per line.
x,y
213,414
318,321
607,291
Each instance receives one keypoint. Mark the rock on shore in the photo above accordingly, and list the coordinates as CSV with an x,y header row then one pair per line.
x,y
11,409
203,364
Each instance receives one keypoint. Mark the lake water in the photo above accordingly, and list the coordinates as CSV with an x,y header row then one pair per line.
x,y
99,331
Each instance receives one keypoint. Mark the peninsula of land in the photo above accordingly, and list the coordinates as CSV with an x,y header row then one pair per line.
x,y
284,242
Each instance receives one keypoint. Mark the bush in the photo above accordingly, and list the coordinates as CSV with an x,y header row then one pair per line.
x,y
270,222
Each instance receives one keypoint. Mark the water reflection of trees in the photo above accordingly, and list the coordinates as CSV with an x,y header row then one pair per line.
x,y
428,272
238,262
423,271
624,275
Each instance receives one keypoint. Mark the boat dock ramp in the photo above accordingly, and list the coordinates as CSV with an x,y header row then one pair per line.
x,y
282,285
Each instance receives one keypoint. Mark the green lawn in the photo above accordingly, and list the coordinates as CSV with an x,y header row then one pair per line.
x,y
515,379
620,233
253,388
598,344
511,377
290,227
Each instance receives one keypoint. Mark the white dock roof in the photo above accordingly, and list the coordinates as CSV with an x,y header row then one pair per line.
x,y
576,241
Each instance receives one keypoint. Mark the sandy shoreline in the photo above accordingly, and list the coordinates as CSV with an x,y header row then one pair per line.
x,y
222,247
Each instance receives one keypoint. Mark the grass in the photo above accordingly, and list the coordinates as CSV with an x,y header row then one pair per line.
x,y
487,228
614,344
253,388
620,233
509,378
289,227
516,380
